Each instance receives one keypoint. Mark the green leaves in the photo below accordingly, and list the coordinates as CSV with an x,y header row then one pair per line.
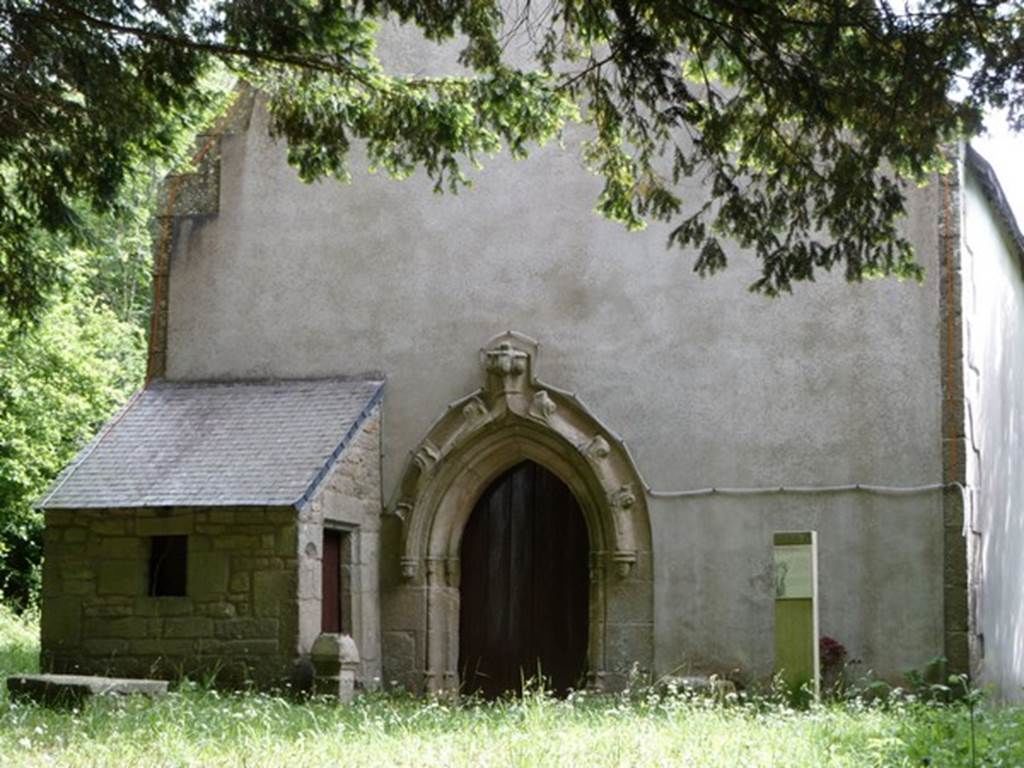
x,y
435,124
60,379
804,120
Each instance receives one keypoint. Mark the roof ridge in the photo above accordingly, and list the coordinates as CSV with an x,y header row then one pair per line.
x,y
370,377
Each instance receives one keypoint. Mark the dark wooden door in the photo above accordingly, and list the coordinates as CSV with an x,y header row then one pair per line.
x,y
524,585
330,605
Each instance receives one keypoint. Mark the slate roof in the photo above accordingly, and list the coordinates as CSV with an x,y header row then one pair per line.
x,y
233,443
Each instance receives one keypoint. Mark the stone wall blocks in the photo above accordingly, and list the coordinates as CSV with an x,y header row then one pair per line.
x,y
954,458
955,569
400,656
55,549
629,598
129,547
626,644
123,628
309,622
61,621
211,529
78,586
57,518
190,627
209,575
171,606
121,577
404,608
260,647
310,587
110,527
171,525
200,544
77,570
309,538
257,563
285,543
239,582
955,608
273,591
75,535
238,543
953,508
145,606
109,611
105,646
165,647
954,418
957,650
239,629
217,610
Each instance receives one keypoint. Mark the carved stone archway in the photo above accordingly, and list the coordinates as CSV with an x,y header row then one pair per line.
x,y
512,418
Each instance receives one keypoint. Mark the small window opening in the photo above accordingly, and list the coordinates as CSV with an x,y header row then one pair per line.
x,y
335,614
168,566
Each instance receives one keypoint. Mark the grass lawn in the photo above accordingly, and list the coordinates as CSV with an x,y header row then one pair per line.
x,y
200,727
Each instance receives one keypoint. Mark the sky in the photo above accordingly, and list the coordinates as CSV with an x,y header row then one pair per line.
x,y
1005,153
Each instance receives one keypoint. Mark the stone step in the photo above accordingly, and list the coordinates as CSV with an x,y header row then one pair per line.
x,y
67,690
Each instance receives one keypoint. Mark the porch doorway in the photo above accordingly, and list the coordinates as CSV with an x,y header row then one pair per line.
x,y
524,588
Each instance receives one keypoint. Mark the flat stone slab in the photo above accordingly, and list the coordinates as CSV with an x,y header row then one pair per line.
x,y
61,690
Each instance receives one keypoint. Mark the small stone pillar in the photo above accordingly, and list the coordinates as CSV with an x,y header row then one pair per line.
x,y
335,663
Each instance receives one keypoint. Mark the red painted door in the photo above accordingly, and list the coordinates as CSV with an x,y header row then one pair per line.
x,y
524,586
330,607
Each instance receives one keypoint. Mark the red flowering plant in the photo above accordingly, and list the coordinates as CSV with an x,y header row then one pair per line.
x,y
832,658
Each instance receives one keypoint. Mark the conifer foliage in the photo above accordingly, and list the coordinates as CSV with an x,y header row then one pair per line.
x,y
804,118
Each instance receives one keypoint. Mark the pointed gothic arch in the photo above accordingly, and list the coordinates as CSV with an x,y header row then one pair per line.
x,y
514,418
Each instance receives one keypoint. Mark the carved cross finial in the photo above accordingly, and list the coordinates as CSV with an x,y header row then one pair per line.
x,y
505,360
507,365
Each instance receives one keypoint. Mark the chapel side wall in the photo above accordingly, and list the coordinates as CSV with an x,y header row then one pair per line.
x,y
993,300
349,499
238,620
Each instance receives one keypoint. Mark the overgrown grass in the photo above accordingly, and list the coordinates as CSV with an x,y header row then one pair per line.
x,y
19,643
200,727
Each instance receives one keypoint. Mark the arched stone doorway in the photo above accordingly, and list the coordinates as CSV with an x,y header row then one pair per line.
x,y
512,419
524,587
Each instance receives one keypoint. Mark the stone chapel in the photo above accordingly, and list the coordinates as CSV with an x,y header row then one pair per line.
x,y
493,435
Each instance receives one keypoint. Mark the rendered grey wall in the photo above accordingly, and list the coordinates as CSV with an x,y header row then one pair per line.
x,y
994,314
708,384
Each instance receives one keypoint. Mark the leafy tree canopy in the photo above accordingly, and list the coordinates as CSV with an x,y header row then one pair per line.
x,y
60,379
794,112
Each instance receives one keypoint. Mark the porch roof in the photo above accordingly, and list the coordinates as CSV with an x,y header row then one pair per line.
x,y
217,443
